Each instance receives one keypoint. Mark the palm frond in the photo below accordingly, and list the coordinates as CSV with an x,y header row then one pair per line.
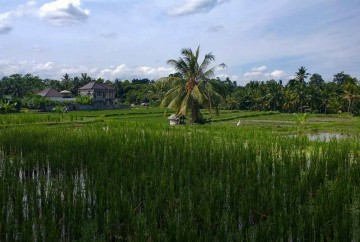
x,y
205,63
171,95
183,107
211,72
194,87
179,65
198,95
177,102
163,79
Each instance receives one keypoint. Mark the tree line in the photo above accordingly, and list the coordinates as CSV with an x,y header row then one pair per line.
x,y
305,93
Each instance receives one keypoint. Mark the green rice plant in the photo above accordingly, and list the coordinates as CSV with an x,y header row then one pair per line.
x,y
118,179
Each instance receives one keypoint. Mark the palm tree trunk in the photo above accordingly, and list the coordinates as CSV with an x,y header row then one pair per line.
x,y
193,111
349,105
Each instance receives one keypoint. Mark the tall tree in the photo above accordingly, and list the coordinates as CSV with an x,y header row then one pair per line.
x,y
340,78
301,75
290,98
19,86
273,94
195,88
314,92
300,86
85,78
350,90
66,82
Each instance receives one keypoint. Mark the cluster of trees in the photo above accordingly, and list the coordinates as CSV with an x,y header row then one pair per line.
x,y
24,86
193,89
304,93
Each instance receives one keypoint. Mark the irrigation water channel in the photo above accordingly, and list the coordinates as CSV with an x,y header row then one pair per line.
x,y
325,137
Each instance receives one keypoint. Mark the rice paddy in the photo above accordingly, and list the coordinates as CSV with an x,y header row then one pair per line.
x,y
127,175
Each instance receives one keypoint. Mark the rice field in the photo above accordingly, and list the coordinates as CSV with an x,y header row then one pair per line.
x,y
129,176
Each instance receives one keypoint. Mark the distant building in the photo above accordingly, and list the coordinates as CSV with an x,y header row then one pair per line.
x,y
52,94
102,94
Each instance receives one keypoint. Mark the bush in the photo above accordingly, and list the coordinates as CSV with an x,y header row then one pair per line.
x,y
84,100
7,107
59,109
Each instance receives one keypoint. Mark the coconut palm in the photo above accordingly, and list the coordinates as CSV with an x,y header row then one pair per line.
x,y
350,89
290,98
301,75
193,88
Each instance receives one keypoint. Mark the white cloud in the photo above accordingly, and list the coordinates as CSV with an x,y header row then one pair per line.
x,y
259,69
125,72
24,67
25,9
5,27
4,17
64,12
52,70
195,6
256,72
231,77
277,74
253,74
7,17
260,74
38,67
76,70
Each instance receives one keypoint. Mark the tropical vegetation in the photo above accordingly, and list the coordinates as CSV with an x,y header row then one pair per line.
x,y
304,93
126,175
192,87
272,167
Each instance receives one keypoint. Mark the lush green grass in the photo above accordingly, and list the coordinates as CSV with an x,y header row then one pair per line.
x,y
128,175
275,121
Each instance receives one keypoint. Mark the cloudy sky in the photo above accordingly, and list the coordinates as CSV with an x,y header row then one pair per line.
x,y
257,39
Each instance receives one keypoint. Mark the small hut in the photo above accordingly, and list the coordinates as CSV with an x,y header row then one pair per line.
x,y
175,119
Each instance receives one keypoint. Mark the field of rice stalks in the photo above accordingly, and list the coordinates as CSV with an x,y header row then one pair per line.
x,y
115,176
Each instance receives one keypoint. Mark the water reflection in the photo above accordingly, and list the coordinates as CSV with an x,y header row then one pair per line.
x,y
325,136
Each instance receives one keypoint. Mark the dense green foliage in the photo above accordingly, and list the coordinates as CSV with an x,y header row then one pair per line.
x,y
304,93
127,175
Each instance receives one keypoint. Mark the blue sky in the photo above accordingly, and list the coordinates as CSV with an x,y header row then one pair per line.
x,y
257,39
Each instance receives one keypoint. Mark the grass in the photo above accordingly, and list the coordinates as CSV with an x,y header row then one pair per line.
x,y
128,175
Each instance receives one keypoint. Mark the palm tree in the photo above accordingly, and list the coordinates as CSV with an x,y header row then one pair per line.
x,y
350,91
290,98
193,87
300,86
274,94
66,82
301,74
